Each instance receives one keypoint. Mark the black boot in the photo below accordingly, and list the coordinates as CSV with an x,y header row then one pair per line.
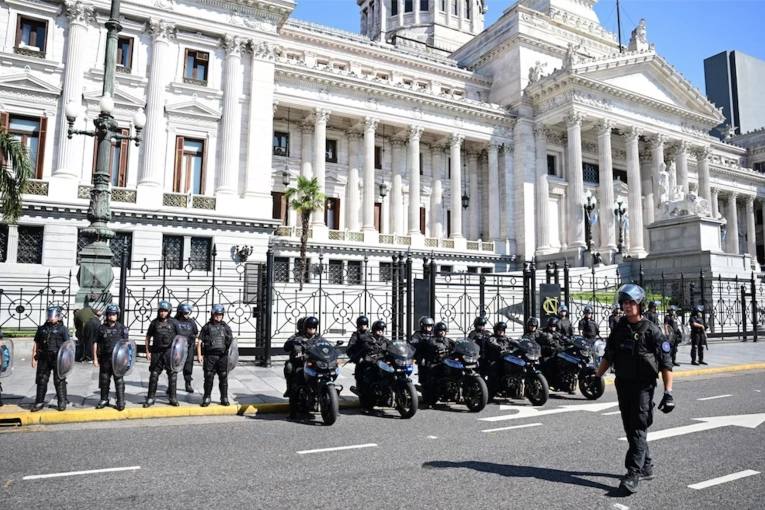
x,y
119,387
208,390
172,390
288,379
103,383
223,386
189,389
1,396
42,389
153,378
61,395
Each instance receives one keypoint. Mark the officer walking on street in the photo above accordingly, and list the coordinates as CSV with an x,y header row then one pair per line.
x,y
109,334
639,351
48,340
214,341
672,332
162,331
587,327
189,330
698,335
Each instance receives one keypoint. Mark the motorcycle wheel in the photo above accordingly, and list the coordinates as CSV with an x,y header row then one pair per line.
x,y
406,401
476,394
592,387
537,390
330,405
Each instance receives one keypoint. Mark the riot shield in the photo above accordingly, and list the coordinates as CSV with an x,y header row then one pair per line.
x,y
178,352
123,357
65,361
233,355
6,358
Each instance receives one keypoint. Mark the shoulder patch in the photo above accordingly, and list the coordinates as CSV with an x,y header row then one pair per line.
x,y
126,331
666,347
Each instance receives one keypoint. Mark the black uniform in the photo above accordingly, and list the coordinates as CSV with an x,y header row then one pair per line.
x,y
533,335
295,346
188,329
433,351
216,340
565,327
357,351
612,321
106,339
589,328
639,352
162,332
364,352
675,337
549,342
49,339
496,347
1,362
697,338
652,316
420,341
480,338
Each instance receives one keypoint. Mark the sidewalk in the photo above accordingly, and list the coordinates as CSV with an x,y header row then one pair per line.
x,y
251,388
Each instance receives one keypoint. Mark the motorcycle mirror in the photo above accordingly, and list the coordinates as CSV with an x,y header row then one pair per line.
x,y
339,343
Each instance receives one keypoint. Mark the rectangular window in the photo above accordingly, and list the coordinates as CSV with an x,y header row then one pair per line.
x,y
120,241
551,170
759,167
195,67
472,270
281,143
590,173
454,7
422,167
331,151
125,53
486,270
280,210
424,5
378,158
446,269
448,223
620,175
354,272
449,168
190,162
3,243
281,269
394,7
422,220
386,271
172,251
467,9
335,272
31,132
118,160
408,5
332,213
378,216
442,6
31,34
200,253
30,245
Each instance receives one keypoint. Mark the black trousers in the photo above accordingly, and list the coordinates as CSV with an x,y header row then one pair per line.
x,y
216,364
105,374
189,366
46,363
636,406
160,361
675,344
697,347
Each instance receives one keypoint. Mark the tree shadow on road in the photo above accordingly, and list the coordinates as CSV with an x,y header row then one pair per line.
x,y
540,473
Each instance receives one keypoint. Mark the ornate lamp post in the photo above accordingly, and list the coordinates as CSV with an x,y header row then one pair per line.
x,y
620,209
383,190
589,205
286,177
96,274
465,196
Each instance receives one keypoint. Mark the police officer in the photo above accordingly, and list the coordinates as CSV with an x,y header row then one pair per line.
x,y
479,334
215,339
189,330
672,332
433,351
288,368
48,340
295,346
2,353
362,330
651,314
616,312
587,327
550,339
565,328
109,334
698,335
419,341
532,329
498,343
640,352
362,344
162,331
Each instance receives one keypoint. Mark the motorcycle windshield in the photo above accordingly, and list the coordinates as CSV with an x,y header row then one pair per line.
x,y
401,350
581,343
467,348
323,350
530,347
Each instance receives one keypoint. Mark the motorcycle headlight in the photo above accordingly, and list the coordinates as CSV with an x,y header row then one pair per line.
x,y
470,359
532,357
322,365
402,362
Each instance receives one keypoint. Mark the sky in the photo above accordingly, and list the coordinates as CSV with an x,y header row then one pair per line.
x,y
685,31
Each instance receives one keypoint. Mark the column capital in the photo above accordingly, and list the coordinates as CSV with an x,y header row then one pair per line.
x,y
438,149
681,147
79,13
321,116
161,30
632,134
370,123
472,155
605,127
354,135
645,157
657,141
540,130
306,127
715,192
275,105
575,119
732,195
750,200
456,140
702,153
508,148
234,45
492,147
263,50
415,133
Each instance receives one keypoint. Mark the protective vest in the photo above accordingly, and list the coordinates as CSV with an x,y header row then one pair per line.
x,y
52,337
635,357
564,326
216,338
186,328
108,336
164,332
589,328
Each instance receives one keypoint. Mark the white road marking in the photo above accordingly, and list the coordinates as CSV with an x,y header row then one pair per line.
x,y
750,421
723,479
619,506
432,437
712,398
77,473
514,427
533,412
611,413
321,450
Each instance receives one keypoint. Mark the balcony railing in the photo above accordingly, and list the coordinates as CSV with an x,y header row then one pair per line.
x,y
124,195
37,187
185,201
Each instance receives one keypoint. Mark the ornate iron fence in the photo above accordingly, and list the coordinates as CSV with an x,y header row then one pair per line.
x,y
25,299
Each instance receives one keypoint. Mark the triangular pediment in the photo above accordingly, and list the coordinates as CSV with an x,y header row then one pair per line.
x,y
29,83
193,108
121,98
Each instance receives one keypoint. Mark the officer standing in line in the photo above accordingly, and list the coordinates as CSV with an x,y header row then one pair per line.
x,y
640,352
189,330
613,319
672,332
163,331
651,314
216,338
479,334
564,323
587,327
288,368
48,340
698,335
106,339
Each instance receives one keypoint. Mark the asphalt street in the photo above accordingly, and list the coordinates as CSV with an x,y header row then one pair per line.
x,y
553,457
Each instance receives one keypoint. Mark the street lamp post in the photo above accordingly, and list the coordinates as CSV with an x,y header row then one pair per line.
x,y
620,209
589,205
465,196
96,274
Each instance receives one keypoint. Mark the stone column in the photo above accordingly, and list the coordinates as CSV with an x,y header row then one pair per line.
x,y
306,157
648,198
508,210
154,145
415,132
702,164
681,159
352,189
228,183
397,187
715,204
543,191
657,143
634,196
751,232
732,226
473,209
437,195
370,126
320,157
607,219
70,159
493,196
575,180
455,143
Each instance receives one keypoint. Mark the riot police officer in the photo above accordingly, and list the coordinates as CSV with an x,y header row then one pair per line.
x,y
48,340
109,334
651,314
362,344
616,311
498,343
532,329
189,330
214,341
362,330
565,328
587,327
433,351
162,331
672,332
295,346
419,341
550,339
288,368
698,335
640,353
479,334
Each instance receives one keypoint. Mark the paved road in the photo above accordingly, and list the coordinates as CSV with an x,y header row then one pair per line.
x,y
440,459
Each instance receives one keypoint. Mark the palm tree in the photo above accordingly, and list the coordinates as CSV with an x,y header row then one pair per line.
x,y
15,173
305,198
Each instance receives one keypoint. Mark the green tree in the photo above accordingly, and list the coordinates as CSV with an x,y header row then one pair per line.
x,y
304,198
14,175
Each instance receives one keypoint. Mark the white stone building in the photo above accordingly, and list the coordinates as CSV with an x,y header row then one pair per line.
x,y
397,123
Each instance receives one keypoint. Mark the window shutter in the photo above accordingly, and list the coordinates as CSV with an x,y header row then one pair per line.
x,y
178,164
4,120
18,30
123,162
204,168
41,147
185,63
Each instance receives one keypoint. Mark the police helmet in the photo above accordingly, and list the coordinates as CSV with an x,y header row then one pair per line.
x,y
479,321
553,321
112,309
615,307
653,304
500,326
218,310
698,309
630,292
587,309
363,320
301,325
184,308
533,322
440,326
165,305
426,321
54,312
311,322
673,308
562,308
378,326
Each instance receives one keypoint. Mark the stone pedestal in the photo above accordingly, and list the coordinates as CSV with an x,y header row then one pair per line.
x,y
95,275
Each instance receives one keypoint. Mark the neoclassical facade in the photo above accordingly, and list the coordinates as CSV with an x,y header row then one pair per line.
x,y
426,132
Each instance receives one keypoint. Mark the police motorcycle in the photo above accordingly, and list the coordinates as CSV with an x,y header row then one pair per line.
x,y
573,365
386,381
517,374
456,378
314,388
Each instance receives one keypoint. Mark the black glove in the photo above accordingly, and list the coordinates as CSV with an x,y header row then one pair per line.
x,y
667,404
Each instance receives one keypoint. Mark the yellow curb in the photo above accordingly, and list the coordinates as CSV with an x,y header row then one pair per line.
x,y
710,371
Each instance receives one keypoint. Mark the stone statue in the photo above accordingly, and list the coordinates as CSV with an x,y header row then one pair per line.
x,y
673,180
570,59
535,73
664,186
639,39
